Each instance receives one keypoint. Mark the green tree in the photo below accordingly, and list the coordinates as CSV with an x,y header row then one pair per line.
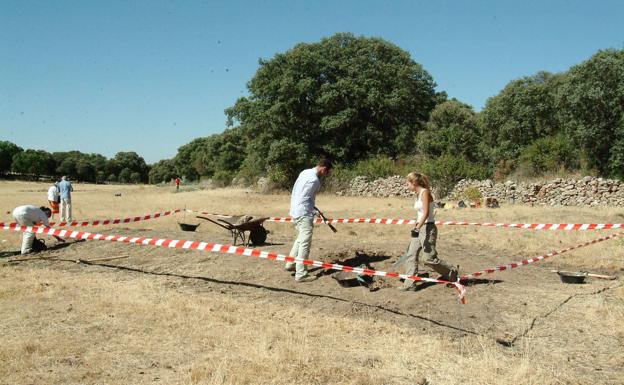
x,y
348,97
35,162
85,171
132,162
162,171
187,158
99,164
7,151
285,160
222,153
453,128
135,177
124,175
552,153
592,109
523,111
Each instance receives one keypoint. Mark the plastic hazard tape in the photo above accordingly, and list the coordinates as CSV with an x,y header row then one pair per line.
x,y
107,221
529,261
227,249
395,221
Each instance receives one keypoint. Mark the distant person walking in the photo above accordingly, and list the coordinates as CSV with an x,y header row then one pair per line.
x,y
65,189
424,234
29,215
177,182
54,198
302,202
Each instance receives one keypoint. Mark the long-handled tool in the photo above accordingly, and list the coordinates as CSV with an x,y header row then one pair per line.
x,y
325,220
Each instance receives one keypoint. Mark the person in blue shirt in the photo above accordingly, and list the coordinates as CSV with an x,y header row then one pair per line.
x,y
65,189
302,211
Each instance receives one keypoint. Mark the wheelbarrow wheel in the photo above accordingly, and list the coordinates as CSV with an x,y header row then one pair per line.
x,y
258,236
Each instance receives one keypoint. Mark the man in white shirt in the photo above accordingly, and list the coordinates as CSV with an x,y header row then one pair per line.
x,y
29,215
302,211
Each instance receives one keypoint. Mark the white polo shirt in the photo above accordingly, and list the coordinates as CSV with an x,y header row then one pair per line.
x,y
302,199
53,192
30,215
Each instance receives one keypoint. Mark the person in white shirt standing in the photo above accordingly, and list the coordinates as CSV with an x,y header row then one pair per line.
x,y
54,198
65,188
424,234
302,202
29,215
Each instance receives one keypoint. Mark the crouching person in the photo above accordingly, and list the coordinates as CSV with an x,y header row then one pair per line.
x,y
424,234
29,215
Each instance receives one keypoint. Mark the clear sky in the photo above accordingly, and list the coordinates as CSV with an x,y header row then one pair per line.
x,y
149,76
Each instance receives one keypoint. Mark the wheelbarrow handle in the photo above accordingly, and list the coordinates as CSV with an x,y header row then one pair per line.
x,y
215,222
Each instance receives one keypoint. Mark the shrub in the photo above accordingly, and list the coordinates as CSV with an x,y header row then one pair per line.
x,y
447,170
222,178
548,154
472,194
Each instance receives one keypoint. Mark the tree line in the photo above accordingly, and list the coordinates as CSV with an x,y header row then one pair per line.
x,y
367,104
124,167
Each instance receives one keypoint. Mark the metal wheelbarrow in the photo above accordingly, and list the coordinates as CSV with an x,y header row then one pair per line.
x,y
237,226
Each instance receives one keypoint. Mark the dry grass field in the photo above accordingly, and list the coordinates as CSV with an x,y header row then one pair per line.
x,y
162,316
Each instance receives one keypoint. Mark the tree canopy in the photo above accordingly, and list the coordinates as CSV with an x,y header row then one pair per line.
x,y
74,164
7,151
453,129
347,97
522,112
591,108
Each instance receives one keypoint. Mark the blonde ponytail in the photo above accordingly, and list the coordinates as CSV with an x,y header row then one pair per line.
x,y
419,180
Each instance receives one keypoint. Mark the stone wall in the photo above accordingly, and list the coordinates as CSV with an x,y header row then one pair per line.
x,y
391,186
588,191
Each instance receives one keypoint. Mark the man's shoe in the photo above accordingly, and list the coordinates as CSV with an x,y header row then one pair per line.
x,y
306,278
408,285
289,267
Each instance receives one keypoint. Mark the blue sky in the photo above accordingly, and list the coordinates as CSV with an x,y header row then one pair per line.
x,y
149,76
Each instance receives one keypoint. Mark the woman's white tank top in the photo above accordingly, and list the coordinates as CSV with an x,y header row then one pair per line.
x,y
418,205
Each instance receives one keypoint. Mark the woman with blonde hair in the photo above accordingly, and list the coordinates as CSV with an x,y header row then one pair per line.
x,y
424,234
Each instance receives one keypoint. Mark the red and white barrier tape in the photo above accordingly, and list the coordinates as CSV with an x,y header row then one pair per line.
x,y
525,262
398,221
220,248
108,221
532,226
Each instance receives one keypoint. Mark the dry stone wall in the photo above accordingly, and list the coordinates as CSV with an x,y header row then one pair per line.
x,y
587,191
392,186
